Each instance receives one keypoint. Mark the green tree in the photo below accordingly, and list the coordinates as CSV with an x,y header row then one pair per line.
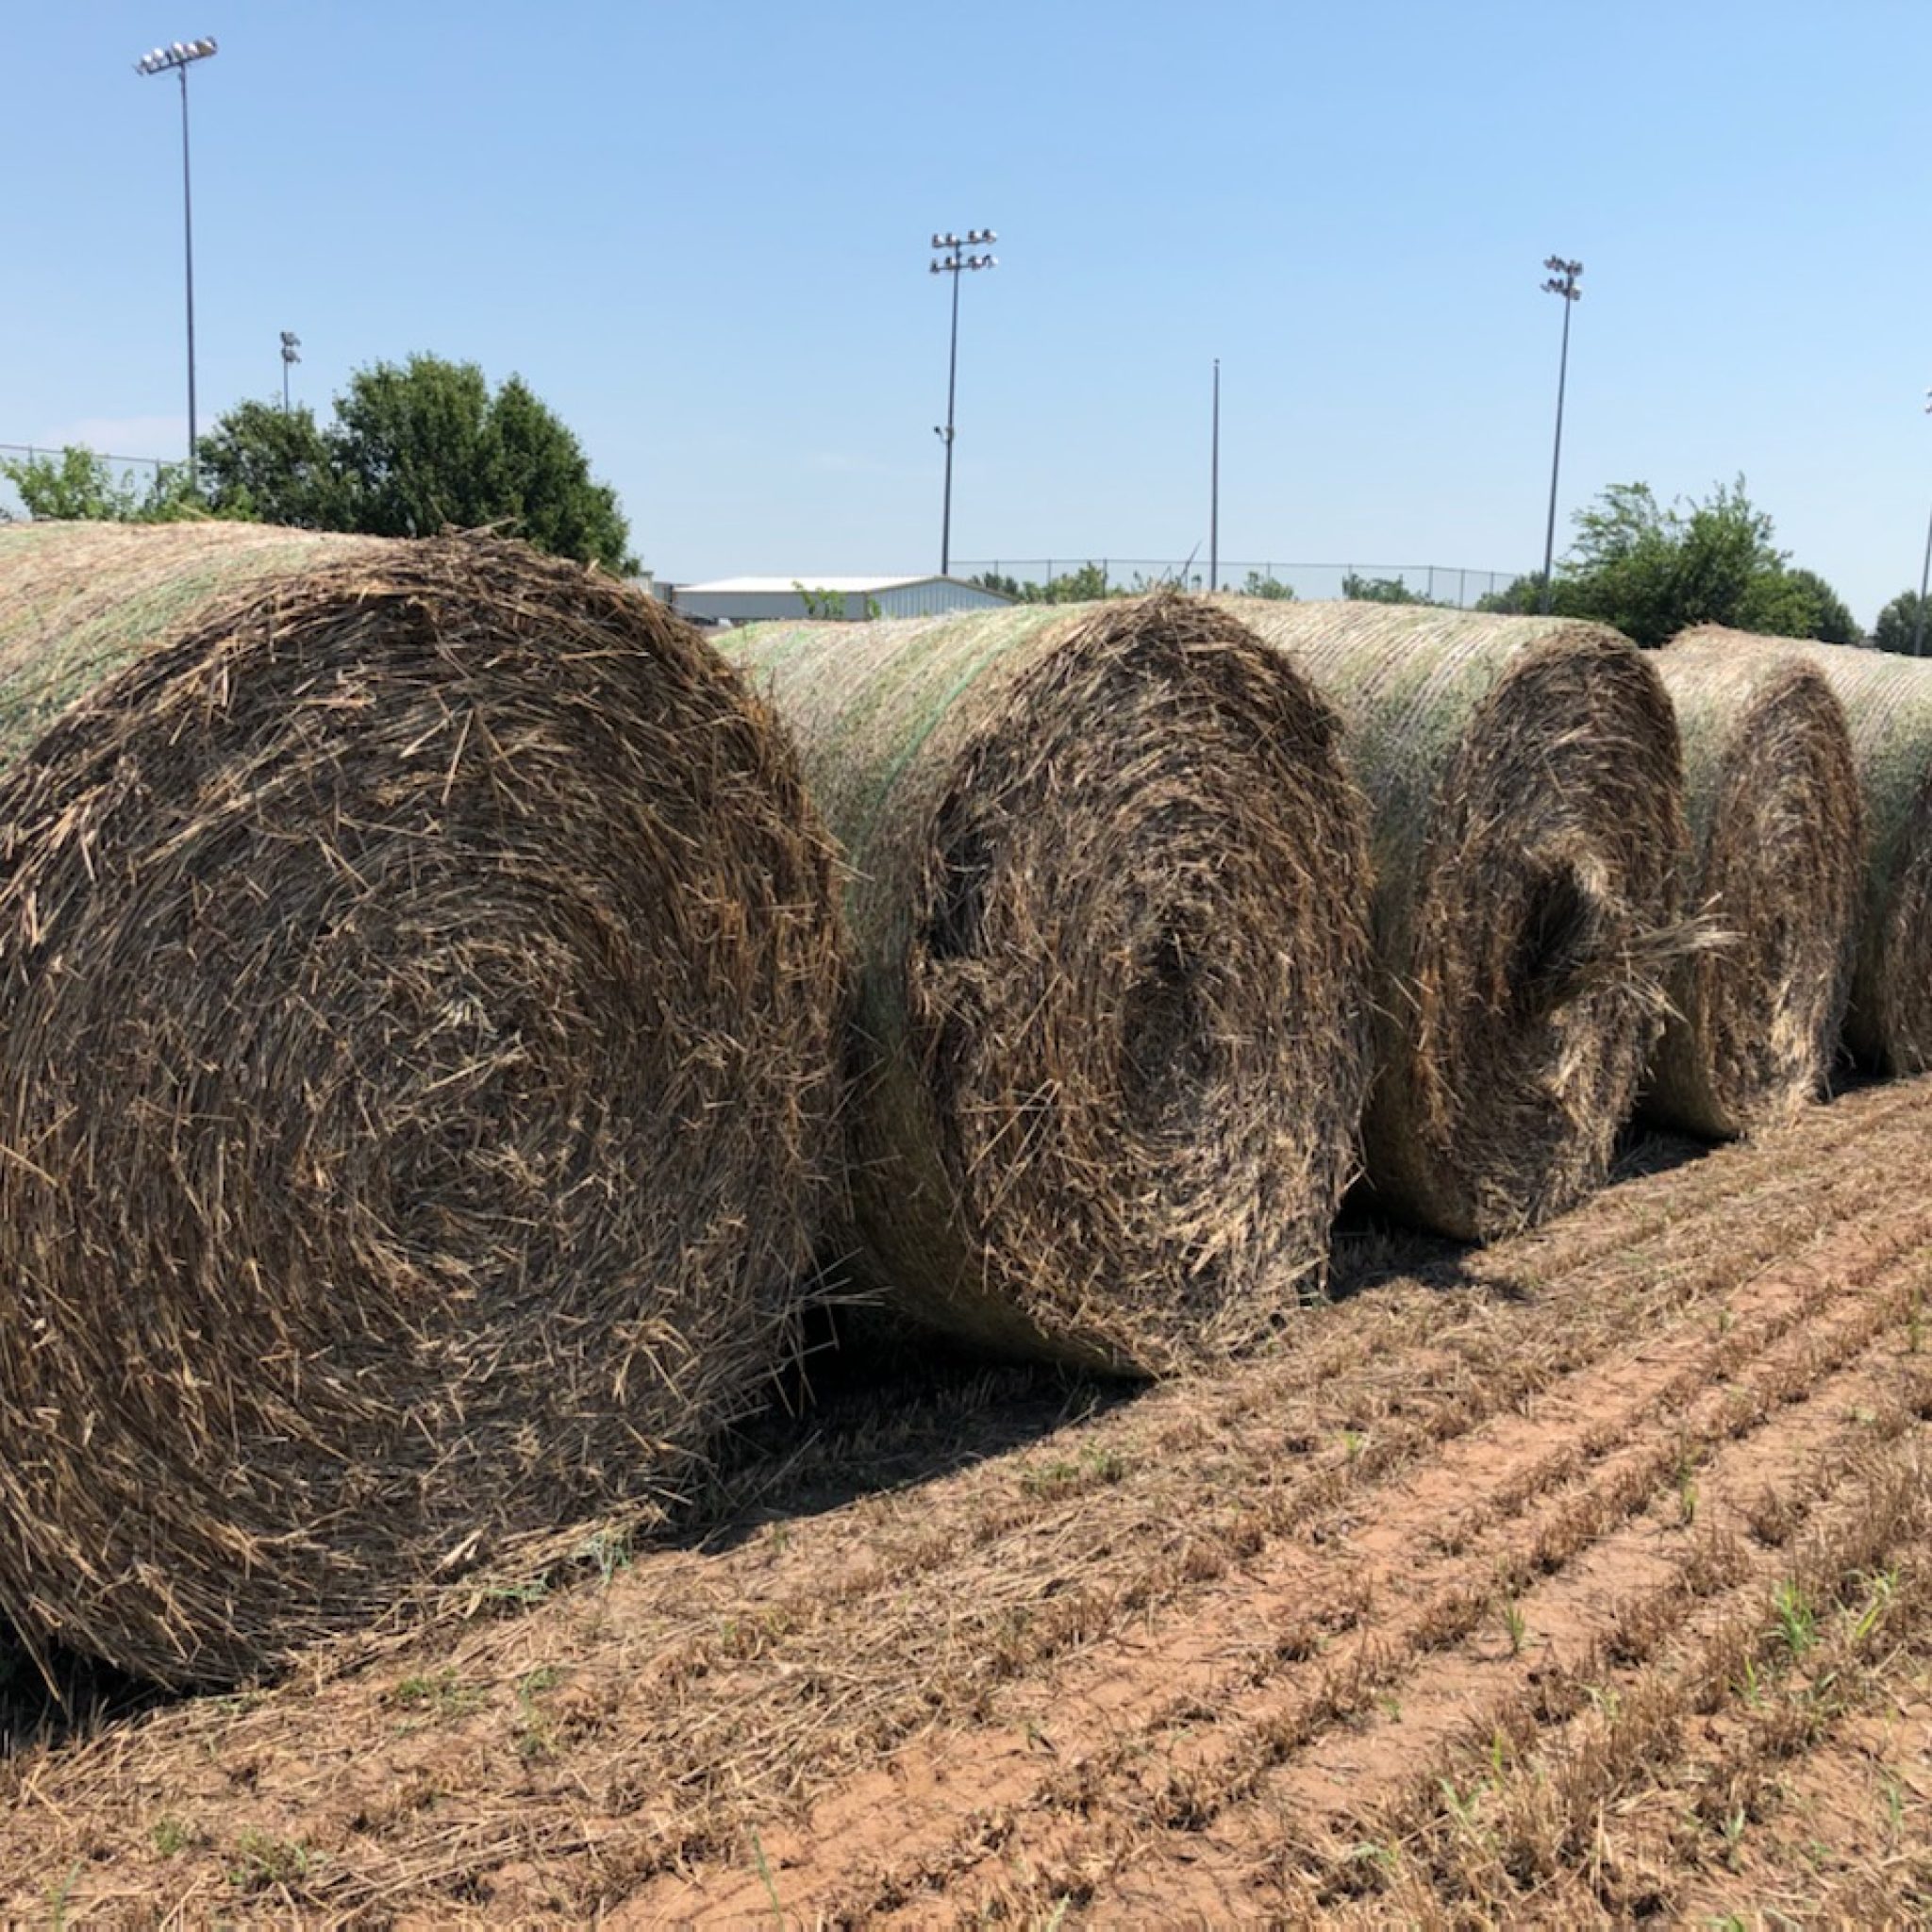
x,y
1271,587
416,448
275,465
1379,591
1523,596
1082,585
1832,620
1652,570
80,486
1894,630
1007,586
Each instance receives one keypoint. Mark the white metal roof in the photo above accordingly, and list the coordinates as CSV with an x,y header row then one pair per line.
x,y
782,586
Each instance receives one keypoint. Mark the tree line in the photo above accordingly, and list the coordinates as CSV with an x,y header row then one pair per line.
x,y
426,444
1648,568
411,449
1652,569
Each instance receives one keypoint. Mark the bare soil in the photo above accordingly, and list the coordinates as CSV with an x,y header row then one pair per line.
x,y
1580,1578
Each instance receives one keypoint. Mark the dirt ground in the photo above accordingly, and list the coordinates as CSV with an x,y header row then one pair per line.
x,y
1581,1578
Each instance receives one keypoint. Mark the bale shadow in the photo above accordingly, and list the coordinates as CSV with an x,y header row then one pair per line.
x,y
874,1404
1642,1151
78,1697
1370,1248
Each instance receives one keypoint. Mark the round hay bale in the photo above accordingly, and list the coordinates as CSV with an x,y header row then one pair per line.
x,y
419,1002
1887,704
1109,899
1527,796
1777,861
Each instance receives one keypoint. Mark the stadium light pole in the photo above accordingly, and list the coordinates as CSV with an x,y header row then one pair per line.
x,y
292,353
1214,490
1924,574
1562,281
949,260
180,56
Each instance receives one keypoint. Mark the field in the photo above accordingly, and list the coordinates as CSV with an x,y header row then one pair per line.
x,y
1587,1575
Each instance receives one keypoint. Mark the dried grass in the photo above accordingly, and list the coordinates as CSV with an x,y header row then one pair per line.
x,y
418,1006
1887,702
1527,787
1109,894
1776,857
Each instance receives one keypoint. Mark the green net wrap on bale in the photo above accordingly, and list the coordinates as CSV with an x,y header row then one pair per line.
x,y
1527,794
419,1005
1109,901
1888,704
1778,862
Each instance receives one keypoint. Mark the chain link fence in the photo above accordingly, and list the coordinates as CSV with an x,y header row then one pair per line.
x,y
140,472
1433,583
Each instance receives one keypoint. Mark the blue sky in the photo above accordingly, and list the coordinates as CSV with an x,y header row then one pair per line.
x,y
699,232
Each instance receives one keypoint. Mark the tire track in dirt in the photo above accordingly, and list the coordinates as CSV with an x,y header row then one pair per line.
x,y
1590,1625
1695,1689
1708,1606
1514,1462
1185,1781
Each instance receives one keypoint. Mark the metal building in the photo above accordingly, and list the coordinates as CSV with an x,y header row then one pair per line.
x,y
754,600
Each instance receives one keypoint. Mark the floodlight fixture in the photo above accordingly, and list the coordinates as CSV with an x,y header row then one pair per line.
x,y
176,54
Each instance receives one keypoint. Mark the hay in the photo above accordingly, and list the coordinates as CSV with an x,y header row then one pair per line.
x,y
1527,787
418,996
1109,902
1888,704
1776,858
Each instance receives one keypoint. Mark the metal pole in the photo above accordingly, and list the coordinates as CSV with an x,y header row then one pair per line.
x,y
285,385
1555,464
1919,615
1214,497
951,380
188,238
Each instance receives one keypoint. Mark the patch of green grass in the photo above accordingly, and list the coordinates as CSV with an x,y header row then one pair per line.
x,y
536,1736
521,1595
262,1861
1515,1626
765,1874
1881,1589
1733,1829
1091,1467
170,1836
58,1898
444,1697
1797,1618
1463,1806
608,1549
1892,1792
